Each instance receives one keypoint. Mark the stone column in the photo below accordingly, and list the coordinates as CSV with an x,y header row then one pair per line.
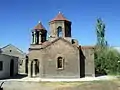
x,y
35,39
29,69
33,68
63,32
40,70
32,37
40,38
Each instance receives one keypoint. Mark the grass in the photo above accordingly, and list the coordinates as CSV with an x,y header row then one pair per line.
x,y
93,85
88,85
61,83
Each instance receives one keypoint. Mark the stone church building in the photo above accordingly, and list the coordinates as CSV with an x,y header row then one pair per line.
x,y
59,56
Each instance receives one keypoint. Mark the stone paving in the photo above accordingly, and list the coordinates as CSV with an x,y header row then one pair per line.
x,y
15,85
55,80
36,84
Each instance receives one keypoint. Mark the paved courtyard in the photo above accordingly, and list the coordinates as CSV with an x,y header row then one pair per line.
x,y
27,79
15,85
50,84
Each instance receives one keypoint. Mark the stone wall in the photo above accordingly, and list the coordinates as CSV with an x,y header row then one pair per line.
x,y
48,60
13,51
70,54
88,53
77,62
5,73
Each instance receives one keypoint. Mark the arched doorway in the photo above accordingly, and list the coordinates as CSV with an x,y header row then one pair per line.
x,y
11,67
35,68
26,65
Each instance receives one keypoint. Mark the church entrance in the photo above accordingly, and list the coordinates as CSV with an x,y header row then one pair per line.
x,y
35,68
26,65
11,67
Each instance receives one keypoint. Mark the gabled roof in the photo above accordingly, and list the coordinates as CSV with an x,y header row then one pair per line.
x,y
10,45
60,17
50,43
46,44
39,26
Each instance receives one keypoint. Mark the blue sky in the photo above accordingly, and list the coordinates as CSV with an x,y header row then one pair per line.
x,y
18,17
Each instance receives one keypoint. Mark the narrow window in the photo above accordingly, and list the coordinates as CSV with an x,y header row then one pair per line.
x,y
37,37
1,65
21,62
59,31
60,63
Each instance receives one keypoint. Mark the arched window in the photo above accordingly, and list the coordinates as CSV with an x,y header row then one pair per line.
x,y
59,31
60,63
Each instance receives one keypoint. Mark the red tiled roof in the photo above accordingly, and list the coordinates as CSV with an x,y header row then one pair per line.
x,y
39,27
59,17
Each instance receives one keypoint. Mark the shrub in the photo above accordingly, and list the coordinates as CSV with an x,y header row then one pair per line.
x,y
107,61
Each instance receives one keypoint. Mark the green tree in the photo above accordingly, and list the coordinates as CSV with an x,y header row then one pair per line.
x,y
100,32
106,58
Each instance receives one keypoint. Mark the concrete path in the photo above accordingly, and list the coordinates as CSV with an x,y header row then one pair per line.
x,y
68,80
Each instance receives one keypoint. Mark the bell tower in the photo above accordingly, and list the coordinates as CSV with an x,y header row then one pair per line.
x,y
39,34
60,27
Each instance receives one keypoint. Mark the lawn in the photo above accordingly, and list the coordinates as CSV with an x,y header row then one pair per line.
x,y
93,85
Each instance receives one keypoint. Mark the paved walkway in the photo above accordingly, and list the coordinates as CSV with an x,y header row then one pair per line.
x,y
55,80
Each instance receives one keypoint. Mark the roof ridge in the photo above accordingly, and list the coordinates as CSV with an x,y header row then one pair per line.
x,y
60,16
57,40
39,26
13,46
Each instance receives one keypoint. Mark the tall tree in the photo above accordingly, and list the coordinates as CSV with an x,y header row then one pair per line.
x,y
100,29
106,58
100,49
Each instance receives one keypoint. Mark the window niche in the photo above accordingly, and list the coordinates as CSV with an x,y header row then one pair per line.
x,y
1,65
59,30
20,62
10,50
60,63
37,37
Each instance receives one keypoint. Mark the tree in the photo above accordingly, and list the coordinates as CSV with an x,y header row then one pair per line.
x,y
106,59
100,29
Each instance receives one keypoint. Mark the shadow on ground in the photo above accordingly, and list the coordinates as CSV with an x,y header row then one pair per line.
x,y
100,74
18,76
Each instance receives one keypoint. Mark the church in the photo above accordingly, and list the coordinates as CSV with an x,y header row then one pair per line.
x,y
59,56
